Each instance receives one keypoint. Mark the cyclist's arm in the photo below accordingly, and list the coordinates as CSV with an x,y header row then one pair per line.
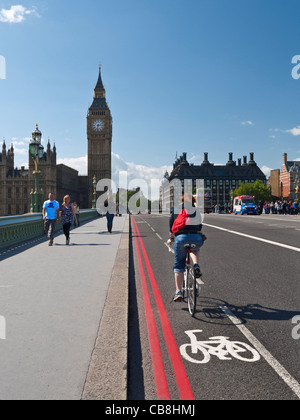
x,y
171,222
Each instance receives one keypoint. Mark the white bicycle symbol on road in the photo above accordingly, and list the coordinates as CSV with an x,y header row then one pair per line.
x,y
201,351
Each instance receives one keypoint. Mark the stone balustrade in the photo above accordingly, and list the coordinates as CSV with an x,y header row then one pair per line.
x,y
16,229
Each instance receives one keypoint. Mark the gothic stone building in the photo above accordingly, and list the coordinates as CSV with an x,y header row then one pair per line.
x,y
16,184
219,180
283,181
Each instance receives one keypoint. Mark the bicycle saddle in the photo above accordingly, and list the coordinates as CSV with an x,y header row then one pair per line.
x,y
190,247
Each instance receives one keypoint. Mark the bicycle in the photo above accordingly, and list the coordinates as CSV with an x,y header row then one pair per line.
x,y
191,287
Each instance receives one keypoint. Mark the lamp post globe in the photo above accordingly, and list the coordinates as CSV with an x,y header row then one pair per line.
x,y
37,135
36,151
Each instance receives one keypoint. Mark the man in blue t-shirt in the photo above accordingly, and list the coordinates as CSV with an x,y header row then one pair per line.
x,y
50,216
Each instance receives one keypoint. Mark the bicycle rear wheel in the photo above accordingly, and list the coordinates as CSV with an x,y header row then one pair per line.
x,y
185,282
191,292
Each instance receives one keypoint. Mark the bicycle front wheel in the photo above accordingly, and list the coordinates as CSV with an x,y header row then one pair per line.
x,y
191,292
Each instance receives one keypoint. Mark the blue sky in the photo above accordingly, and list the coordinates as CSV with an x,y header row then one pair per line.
x,y
189,76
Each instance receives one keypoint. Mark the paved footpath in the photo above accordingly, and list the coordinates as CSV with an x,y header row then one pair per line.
x,y
53,299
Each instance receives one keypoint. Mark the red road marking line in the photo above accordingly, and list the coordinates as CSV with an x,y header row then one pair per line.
x,y
182,381
157,362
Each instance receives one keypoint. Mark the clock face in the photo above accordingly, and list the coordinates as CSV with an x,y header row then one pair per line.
x,y
98,125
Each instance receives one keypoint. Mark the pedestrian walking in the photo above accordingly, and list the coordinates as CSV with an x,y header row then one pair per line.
x,y
50,217
110,214
67,216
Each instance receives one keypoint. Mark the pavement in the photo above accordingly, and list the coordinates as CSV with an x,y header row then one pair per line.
x,y
66,314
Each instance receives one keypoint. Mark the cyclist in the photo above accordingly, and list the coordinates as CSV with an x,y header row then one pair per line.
x,y
190,233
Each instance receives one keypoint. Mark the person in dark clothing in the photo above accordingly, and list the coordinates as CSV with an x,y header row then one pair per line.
x,y
190,233
67,216
110,214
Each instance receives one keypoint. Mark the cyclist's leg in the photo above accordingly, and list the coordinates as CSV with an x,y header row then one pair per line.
x,y
195,254
179,280
195,257
179,267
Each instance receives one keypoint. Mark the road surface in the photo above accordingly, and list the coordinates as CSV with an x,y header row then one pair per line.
x,y
249,301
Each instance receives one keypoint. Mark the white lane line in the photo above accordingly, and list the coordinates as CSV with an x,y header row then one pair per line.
x,y
279,369
293,248
159,237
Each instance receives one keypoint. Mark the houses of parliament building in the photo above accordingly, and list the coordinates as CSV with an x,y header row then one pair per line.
x,y
16,184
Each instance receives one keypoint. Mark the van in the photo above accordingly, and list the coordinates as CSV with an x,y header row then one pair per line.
x,y
244,204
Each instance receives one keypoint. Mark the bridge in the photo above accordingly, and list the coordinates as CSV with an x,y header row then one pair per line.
x,y
94,320
64,310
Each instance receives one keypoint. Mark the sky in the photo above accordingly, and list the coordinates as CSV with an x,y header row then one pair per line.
x,y
180,76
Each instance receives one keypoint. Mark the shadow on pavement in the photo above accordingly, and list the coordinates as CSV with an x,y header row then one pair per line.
x,y
209,311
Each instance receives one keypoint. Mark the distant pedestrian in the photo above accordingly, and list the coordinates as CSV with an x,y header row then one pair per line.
x,y
67,216
110,214
50,217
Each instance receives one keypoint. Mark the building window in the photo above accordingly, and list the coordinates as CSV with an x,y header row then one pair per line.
x,y
25,193
9,209
17,193
9,194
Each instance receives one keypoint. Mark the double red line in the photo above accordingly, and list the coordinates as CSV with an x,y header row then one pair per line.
x,y
161,383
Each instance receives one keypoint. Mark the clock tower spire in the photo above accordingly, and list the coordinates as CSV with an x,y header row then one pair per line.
x,y
99,136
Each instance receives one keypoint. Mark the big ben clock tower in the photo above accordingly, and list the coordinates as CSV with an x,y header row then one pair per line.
x,y
99,136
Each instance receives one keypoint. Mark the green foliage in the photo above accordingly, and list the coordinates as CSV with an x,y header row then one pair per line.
x,y
258,190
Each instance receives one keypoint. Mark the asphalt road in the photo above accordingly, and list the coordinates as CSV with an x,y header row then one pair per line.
x,y
250,296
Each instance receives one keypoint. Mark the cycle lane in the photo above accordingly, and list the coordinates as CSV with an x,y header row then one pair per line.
x,y
224,376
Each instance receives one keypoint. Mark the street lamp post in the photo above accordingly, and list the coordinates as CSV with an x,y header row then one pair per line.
x,y
94,205
36,151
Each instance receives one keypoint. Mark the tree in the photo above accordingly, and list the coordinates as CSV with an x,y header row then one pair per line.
x,y
258,190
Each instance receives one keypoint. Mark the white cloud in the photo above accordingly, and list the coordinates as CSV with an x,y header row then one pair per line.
x,y
247,123
139,174
266,170
80,164
16,14
20,151
294,131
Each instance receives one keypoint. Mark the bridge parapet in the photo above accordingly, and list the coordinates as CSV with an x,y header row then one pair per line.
x,y
16,229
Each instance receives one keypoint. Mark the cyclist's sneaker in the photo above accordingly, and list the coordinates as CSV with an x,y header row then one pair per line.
x,y
197,271
178,296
